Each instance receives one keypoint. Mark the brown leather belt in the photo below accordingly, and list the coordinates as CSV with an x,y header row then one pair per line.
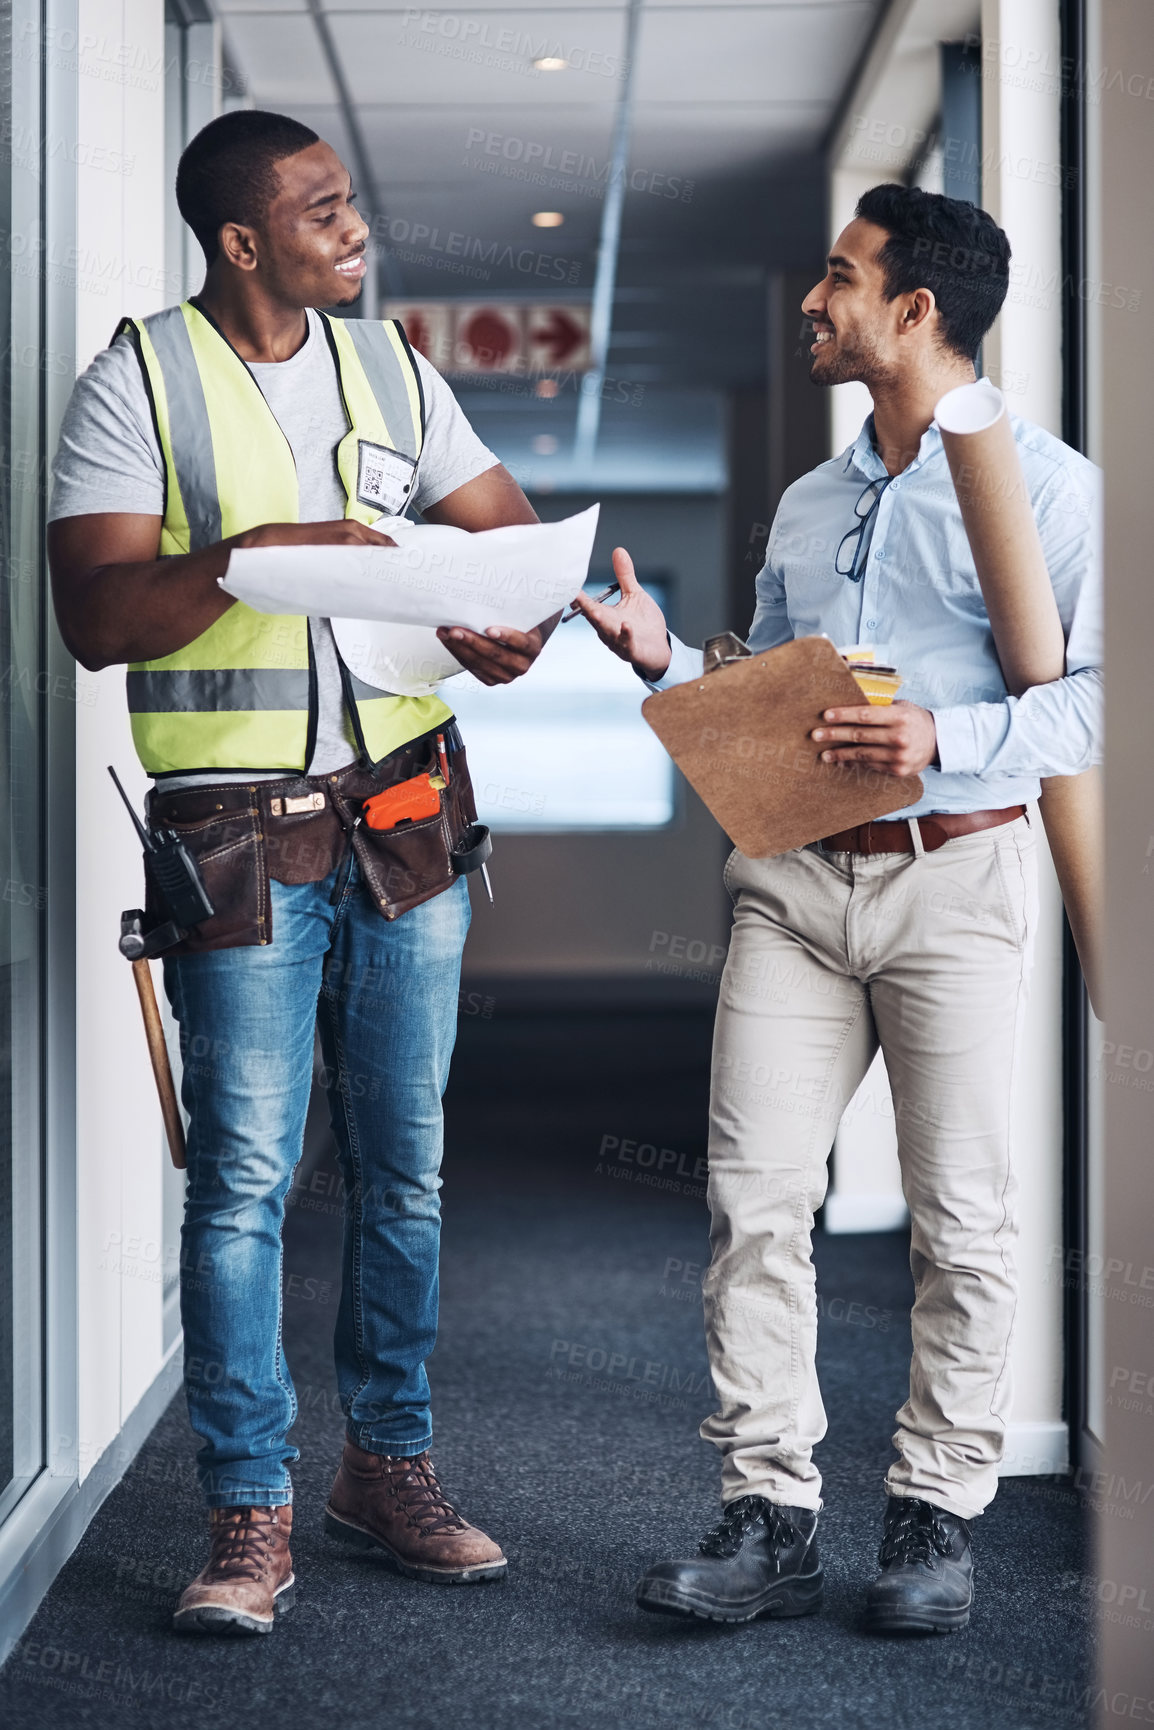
x,y
895,836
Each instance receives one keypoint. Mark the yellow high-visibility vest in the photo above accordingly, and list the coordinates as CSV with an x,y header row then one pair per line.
x,y
242,695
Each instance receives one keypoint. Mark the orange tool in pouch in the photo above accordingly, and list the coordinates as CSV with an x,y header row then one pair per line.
x,y
407,802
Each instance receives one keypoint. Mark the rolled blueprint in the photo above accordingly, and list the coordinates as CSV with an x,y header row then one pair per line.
x,y
1028,635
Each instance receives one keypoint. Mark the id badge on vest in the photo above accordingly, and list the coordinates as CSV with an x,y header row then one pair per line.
x,y
385,478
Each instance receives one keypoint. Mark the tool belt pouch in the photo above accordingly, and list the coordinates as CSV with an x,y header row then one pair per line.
x,y
298,831
408,864
223,831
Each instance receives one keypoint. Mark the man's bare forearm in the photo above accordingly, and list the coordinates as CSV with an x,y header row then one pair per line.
x,y
141,612
116,601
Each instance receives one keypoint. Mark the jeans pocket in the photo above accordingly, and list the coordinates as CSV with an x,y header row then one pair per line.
x,y
229,852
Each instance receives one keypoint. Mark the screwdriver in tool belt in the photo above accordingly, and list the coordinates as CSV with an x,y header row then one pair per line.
x,y
443,760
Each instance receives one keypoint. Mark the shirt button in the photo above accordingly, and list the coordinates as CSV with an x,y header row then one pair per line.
x,y
880,554
871,624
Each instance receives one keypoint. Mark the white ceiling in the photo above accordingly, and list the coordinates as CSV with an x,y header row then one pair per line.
x,y
732,104
757,71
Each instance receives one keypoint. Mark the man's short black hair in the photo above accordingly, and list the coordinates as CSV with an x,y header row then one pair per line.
x,y
949,246
228,172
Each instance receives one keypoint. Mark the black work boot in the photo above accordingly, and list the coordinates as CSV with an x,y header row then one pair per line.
x,y
759,1560
926,1584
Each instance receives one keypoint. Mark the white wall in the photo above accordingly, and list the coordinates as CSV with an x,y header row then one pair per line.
x,y
882,134
1021,189
1021,162
885,127
1119,293
120,247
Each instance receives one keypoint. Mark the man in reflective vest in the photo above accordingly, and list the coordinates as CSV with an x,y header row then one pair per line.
x,y
247,418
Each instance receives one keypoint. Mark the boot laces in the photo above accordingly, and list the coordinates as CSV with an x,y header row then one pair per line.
x,y
421,1498
739,1518
916,1535
241,1543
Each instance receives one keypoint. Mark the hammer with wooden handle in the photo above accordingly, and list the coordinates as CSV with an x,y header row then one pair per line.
x,y
161,1068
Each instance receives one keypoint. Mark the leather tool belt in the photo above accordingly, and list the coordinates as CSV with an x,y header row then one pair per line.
x,y
894,836
301,829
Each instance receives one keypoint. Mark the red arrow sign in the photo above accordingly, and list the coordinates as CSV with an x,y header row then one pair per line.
x,y
561,336
467,337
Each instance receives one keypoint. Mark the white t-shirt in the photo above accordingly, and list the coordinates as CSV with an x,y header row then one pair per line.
x,y
109,459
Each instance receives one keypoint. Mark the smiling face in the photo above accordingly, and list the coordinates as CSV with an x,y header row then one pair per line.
x,y
855,327
310,249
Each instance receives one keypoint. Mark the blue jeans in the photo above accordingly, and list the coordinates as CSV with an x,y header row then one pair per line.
x,y
384,995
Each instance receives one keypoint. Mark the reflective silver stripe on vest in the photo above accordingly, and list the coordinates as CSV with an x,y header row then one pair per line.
x,y
188,430
365,693
206,690
386,380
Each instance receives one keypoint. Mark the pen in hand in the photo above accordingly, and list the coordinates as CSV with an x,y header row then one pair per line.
x,y
575,613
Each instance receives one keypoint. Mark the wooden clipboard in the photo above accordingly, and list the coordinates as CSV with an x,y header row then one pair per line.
x,y
740,736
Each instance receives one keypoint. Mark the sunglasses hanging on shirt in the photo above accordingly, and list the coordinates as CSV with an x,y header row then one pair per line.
x,y
855,543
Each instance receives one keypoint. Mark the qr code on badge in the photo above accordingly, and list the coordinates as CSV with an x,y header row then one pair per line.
x,y
380,476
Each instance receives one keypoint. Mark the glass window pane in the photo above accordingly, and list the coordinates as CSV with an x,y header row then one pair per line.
x,y
22,895
566,747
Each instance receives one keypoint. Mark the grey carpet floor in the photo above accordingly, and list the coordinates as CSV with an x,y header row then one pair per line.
x,y
568,1385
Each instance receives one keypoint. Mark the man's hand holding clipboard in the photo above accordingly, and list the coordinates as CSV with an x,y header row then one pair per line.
x,y
775,744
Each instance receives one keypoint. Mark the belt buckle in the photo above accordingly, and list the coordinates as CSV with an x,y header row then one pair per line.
x,y
296,807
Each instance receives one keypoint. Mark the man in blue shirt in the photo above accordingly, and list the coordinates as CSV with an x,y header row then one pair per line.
x,y
914,933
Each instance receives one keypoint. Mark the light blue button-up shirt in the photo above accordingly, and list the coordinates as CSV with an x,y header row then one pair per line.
x,y
919,605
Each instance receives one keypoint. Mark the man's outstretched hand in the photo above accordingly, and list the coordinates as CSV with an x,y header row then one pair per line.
x,y
635,627
500,654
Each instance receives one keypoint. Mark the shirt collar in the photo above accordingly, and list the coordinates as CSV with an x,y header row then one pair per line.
x,y
862,455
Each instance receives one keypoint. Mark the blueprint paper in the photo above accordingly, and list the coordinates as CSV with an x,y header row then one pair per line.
x,y
385,603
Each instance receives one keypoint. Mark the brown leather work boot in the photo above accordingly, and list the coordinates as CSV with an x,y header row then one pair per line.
x,y
386,1502
248,1578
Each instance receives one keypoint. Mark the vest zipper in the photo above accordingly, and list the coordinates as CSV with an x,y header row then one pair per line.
x,y
314,700
351,706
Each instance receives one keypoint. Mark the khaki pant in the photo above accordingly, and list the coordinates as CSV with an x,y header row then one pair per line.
x,y
832,955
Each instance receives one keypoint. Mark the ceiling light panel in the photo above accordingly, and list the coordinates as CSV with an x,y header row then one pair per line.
x,y
723,139
736,54
446,58
228,7
281,59
497,149
538,8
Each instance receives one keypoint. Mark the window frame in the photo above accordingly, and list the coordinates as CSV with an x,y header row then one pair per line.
x,y
36,1535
